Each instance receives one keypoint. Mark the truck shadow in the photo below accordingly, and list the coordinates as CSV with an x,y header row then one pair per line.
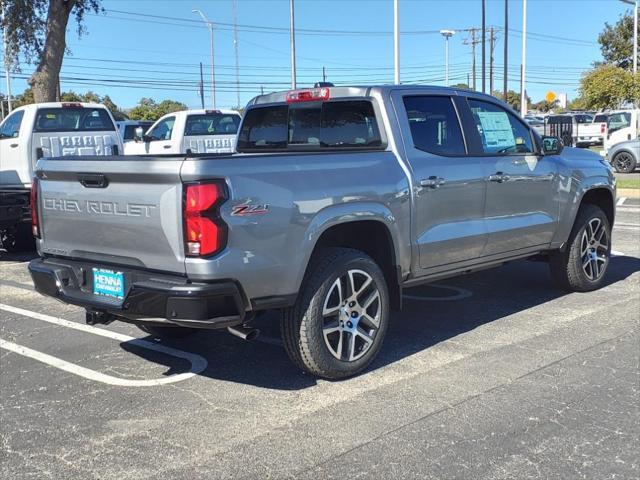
x,y
496,294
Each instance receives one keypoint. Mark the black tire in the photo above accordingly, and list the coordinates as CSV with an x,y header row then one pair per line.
x,y
19,240
304,327
568,267
624,162
174,333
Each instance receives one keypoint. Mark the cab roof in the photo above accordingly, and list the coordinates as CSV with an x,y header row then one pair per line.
x,y
364,91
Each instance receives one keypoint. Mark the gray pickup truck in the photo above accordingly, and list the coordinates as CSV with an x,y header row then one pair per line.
x,y
337,200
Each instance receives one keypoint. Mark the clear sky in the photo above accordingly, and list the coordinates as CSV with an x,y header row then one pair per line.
x,y
131,51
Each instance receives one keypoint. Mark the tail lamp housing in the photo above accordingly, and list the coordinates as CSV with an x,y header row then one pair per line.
x,y
33,205
205,233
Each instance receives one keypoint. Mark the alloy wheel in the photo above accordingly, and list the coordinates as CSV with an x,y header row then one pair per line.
x,y
351,315
594,249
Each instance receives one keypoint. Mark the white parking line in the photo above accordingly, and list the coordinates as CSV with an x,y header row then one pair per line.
x,y
621,201
461,293
198,363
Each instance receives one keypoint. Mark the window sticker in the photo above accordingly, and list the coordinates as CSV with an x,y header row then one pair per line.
x,y
496,130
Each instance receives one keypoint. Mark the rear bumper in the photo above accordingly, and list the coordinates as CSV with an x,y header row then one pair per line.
x,y
148,297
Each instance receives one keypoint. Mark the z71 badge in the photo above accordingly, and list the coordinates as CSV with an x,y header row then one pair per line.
x,y
246,210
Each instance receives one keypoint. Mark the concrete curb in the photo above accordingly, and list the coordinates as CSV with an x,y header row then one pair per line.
x,y
629,192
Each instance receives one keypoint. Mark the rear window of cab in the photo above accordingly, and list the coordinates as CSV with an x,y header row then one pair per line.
x,y
311,126
73,120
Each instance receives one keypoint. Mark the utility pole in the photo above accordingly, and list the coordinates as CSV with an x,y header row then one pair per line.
x,y
292,35
492,44
201,86
484,47
396,42
235,47
324,75
506,49
523,74
473,42
213,70
7,61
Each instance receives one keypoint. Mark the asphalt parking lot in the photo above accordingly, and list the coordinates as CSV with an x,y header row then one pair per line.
x,y
494,375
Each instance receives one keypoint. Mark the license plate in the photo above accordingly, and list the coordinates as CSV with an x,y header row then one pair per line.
x,y
108,282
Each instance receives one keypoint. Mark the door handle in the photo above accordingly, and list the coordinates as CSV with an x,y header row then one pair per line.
x,y
499,177
432,182
167,146
93,180
14,145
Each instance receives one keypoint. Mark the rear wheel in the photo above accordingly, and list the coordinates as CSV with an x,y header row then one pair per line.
x,y
624,162
583,264
338,324
167,332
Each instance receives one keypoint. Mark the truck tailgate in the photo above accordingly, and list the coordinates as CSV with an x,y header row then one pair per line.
x,y
122,212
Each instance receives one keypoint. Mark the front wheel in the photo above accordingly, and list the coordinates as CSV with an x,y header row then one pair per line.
x,y
338,323
583,264
624,162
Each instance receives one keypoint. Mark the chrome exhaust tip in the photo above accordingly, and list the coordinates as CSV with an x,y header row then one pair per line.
x,y
245,333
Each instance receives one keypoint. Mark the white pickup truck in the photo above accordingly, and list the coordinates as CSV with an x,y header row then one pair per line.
x,y
45,130
622,125
189,131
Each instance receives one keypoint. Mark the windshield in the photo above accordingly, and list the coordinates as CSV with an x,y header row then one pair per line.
x,y
76,119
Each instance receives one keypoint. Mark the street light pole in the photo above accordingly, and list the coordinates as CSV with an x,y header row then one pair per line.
x,y
213,70
7,61
523,75
396,42
292,34
447,34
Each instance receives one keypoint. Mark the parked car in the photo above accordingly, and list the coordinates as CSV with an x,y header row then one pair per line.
x,y
338,199
624,156
127,128
195,131
39,131
622,125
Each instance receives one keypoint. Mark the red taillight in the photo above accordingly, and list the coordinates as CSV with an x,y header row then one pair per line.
x,y
205,232
71,105
313,95
603,127
34,208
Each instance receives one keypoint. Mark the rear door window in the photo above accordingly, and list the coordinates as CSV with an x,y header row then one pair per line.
x,y
73,120
434,125
212,124
350,124
11,126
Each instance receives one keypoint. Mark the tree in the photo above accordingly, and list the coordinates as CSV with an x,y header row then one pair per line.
x,y
616,42
37,30
148,109
545,106
461,85
513,99
578,103
609,87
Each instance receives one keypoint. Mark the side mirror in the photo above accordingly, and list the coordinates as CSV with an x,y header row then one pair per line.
x,y
552,145
139,134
